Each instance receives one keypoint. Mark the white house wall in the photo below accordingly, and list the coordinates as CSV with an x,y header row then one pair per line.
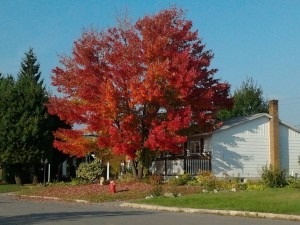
x,y
241,150
289,149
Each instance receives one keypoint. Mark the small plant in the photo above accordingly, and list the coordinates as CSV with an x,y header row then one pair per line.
x,y
293,182
185,178
193,182
274,176
157,190
75,181
127,178
89,172
207,180
256,187
174,189
181,180
155,179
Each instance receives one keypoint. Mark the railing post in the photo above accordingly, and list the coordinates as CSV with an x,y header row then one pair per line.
x,y
166,169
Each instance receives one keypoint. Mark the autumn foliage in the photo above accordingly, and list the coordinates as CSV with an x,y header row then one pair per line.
x,y
137,87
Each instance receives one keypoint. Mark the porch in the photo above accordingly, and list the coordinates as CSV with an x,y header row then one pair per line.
x,y
175,165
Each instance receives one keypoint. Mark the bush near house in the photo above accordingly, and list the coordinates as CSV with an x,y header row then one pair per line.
x,y
89,172
274,176
181,180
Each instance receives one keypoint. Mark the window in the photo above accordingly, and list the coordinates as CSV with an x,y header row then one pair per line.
x,y
196,147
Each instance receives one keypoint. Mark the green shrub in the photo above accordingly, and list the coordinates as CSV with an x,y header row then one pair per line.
x,y
255,187
181,179
157,190
293,182
89,172
193,182
207,180
75,181
258,185
274,176
185,178
174,181
225,184
127,178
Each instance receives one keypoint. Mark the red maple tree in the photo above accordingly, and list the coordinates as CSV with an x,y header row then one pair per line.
x,y
138,88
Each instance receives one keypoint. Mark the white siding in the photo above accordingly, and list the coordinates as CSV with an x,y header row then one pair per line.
x,y
241,150
289,150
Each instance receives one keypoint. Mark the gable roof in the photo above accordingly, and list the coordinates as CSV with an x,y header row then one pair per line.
x,y
232,122
243,119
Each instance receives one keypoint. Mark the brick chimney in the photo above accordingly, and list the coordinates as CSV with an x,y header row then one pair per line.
x,y
274,133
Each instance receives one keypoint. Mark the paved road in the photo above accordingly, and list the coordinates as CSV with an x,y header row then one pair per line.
x,y
14,211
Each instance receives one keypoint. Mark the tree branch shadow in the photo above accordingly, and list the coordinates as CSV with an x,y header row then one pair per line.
x,y
65,216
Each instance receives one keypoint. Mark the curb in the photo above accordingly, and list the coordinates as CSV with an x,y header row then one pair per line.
x,y
52,198
216,212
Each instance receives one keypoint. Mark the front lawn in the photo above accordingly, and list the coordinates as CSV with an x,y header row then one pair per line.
x,y
99,193
11,188
271,200
276,200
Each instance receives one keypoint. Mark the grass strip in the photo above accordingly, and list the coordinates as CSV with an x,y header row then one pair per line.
x,y
5,188
281,201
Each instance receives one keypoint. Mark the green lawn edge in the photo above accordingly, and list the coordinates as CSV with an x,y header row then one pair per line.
x,y
279,201
7,188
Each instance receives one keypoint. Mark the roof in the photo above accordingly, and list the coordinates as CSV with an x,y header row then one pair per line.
x,y
243,119
235,121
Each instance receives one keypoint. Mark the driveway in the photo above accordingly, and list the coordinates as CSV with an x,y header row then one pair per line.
x,y
14,211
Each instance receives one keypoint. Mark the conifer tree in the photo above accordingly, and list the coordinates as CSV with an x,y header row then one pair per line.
x,y
248,99
25,125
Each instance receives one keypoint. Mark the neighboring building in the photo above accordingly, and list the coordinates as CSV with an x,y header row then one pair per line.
x,y
241,147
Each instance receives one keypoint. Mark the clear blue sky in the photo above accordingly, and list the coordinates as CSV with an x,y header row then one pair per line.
x,y
258,39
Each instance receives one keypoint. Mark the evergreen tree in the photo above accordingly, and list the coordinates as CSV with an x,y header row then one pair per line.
x,y
30,67
248,100
8,113
25,125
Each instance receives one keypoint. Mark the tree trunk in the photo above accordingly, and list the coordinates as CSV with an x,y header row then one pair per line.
x,y
18,178
133,168
137,169
140,171
35,178
1,172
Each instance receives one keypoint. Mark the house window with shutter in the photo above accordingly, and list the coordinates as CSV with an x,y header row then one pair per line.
x,y
196,147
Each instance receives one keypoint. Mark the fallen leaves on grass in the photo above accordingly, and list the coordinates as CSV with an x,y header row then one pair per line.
x,y
100,193
93,192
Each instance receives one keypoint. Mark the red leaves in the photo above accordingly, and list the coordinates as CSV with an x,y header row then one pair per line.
x,y
164,136
72,142
138,86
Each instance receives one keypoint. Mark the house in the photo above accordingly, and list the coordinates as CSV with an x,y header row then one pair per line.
x,y
240,147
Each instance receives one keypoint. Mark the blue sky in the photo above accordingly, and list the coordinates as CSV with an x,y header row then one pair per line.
x,y
258,39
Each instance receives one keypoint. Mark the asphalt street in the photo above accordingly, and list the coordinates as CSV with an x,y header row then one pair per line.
x,y
14,211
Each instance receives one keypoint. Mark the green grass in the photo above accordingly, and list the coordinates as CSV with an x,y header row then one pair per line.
x,y
4,188
282,201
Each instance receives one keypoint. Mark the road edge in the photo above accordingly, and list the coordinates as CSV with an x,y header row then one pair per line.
x,y
216,212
